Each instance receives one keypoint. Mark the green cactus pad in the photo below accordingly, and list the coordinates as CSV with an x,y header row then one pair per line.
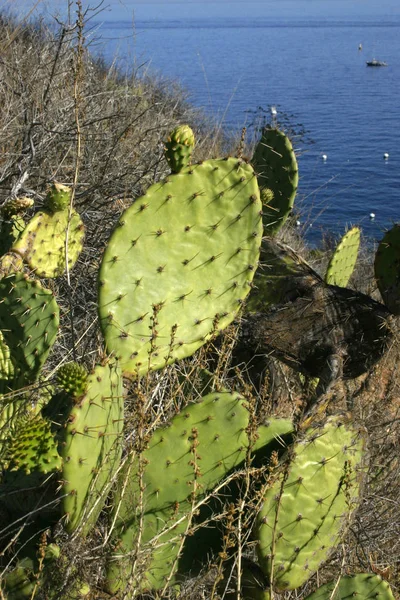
x,y
180,263
275,163
197,450
58,198
72,378
29,319
343,260
33,448
365,586
42,244
387,269
91,447
310,504
179,147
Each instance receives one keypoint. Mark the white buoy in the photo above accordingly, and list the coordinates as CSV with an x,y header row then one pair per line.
x,y
372,215
386,156
298,223
274,112
324,157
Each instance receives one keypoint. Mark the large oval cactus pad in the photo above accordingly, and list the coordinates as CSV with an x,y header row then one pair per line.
x,y
387,269
29,319
310,504
42,244
91,447
180,263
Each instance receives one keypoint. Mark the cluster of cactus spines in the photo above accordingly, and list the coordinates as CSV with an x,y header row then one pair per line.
x,y
275,163
201,445
179,148
33,448
43,243
365,586
192,243
309,506
72,378
29,319
344,258
387,269
90,447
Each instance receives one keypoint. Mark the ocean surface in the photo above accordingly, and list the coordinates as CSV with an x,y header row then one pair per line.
x,y
239,59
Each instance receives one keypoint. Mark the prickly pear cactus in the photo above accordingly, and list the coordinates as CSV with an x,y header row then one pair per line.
x,y
275,163
72,378
365,586
310,504
180,263
343,260
179,147
387,269
183,461
29,319
91,447
43,243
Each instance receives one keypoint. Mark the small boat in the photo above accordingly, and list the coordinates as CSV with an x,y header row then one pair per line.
x,y
376,63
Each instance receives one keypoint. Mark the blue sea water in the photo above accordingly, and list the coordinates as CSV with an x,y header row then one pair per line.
x,y
301,56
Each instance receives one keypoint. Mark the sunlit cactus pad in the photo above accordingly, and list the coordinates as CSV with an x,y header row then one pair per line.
x,y
365,586
29,319
387,269
310,504
343,260
181,464
91,447
180,263
275,163
43,242
179,147
11,262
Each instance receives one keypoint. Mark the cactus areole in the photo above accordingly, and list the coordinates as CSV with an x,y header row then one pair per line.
x,y
180,263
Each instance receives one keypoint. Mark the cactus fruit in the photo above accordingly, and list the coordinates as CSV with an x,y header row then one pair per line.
x,y
387,269
179,148
29,318
366,586
43,243
16,206
275,163
343,260
180,263
197,450
309,506
58,198
33,448
91,447
72,378
10,262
